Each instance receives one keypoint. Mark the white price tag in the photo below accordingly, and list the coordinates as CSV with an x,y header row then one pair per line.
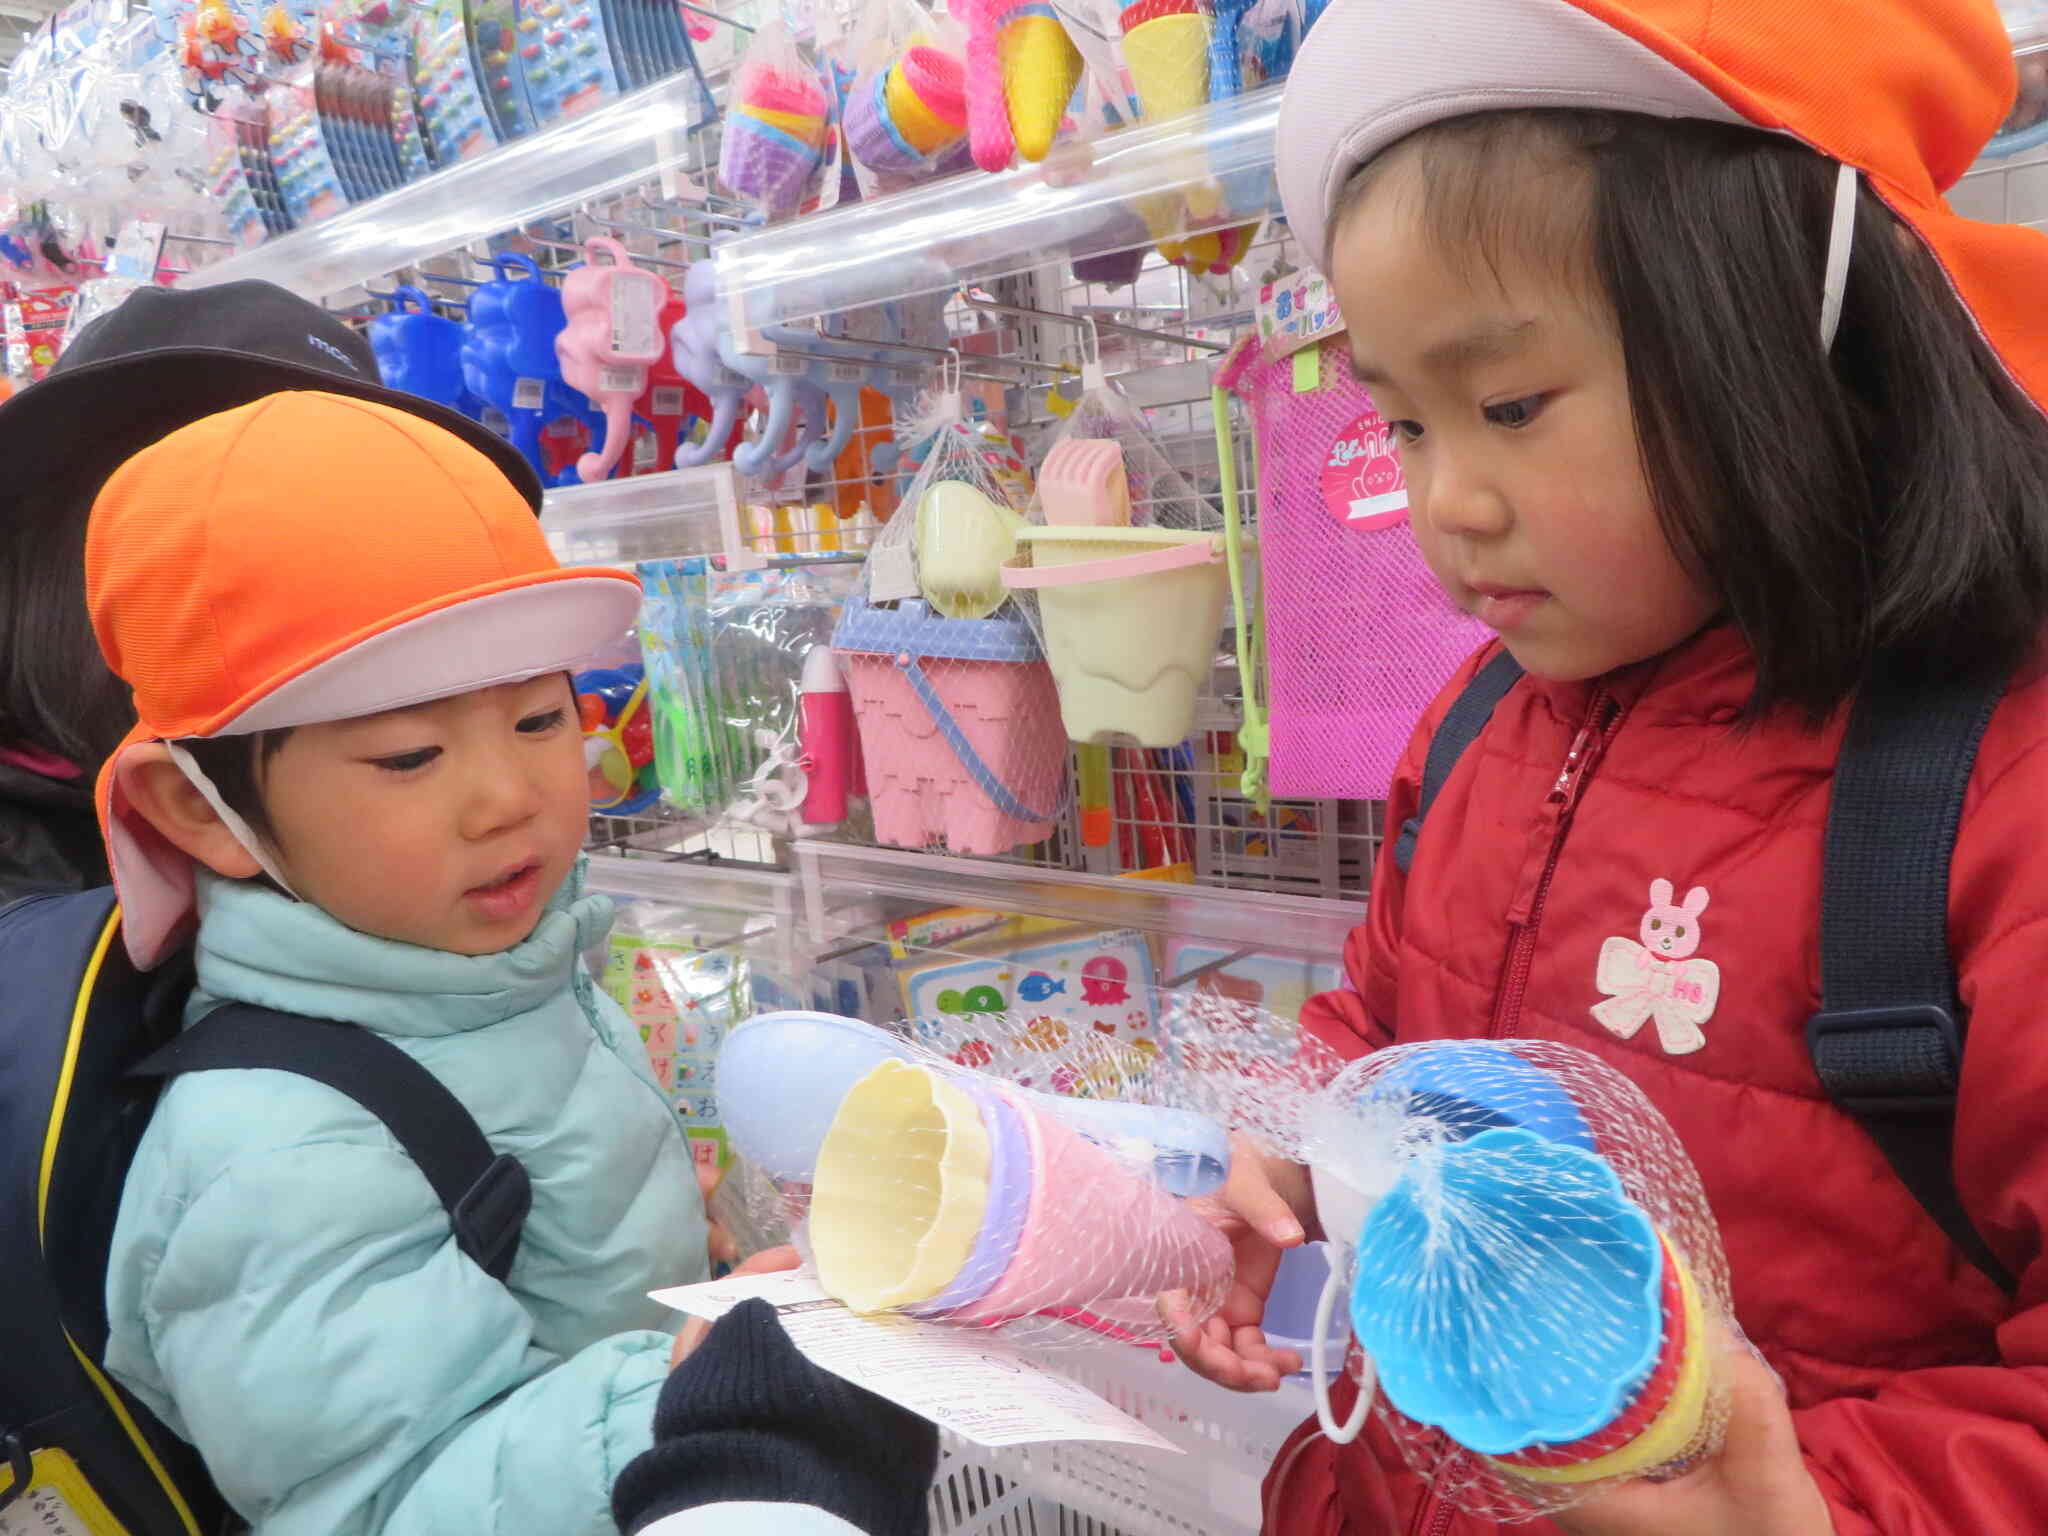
x,y
847,373
636,313
613,380
644,447
529,394
668,400
891,575
791,364
974,1383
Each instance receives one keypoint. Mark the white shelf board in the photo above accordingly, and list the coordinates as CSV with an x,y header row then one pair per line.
x,y
646,517
1083,200
621,143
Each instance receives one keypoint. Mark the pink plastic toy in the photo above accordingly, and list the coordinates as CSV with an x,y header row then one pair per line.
x,y
830,741
614,333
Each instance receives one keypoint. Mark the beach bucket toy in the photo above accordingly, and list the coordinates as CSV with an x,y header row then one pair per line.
x,y
903,118
1132,618
964,539
417,350
913,1203
1166,48
1041,66
955,727
1514,1296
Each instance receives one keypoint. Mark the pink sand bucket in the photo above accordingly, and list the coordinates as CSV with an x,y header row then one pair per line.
x,y
955,726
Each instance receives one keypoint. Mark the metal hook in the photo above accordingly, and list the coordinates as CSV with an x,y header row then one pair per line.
x,y
737,26
547,244
621,227
974,300
686,209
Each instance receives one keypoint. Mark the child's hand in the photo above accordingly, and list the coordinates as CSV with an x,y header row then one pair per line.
x,y
1757,1486
722,1248
1261,1210
766,1262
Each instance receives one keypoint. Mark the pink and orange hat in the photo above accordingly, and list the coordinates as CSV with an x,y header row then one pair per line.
x,y
306,558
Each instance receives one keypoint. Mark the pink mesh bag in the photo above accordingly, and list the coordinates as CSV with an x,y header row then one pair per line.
x,y
1360,636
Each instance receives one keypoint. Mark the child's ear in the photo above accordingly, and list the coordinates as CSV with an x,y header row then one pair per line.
x,y
161,794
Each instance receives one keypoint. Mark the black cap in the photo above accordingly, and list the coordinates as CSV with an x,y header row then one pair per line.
x,y
165,358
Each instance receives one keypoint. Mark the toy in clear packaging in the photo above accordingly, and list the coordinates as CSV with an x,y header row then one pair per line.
x,y
904,118
611,333
988,113
1040,68
448,84
1166,48
830,741
776,124
689,761
618,731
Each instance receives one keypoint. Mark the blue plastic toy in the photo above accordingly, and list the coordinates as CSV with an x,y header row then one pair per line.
x,y
420,352
509,362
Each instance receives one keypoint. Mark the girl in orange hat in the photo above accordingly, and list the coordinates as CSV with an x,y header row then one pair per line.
x,y
1726,423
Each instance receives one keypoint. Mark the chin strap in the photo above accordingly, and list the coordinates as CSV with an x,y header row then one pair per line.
x,y
243,833
1841,243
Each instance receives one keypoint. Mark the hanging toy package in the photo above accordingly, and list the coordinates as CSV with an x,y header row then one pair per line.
x,y
906,109
1126,573
775,128
1360,636
953,695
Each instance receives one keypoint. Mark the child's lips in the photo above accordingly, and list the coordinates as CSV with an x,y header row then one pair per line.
x,y
509,894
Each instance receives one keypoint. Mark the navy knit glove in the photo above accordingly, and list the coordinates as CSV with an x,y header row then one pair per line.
x,y
748,1419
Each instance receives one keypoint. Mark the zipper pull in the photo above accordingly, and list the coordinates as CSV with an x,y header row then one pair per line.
x,y
1572,759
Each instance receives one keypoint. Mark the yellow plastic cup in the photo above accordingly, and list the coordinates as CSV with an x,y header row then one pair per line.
x,y
1041,67
1168,58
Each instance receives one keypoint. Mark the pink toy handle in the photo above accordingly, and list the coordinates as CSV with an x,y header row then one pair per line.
x,y
1172,558
620,256
618,430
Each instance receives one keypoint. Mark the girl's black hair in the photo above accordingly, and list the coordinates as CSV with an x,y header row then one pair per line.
x,y
56,692
1882,505
235,764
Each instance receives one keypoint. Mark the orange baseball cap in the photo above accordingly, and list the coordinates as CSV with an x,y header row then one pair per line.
x,y
1906,92
305,558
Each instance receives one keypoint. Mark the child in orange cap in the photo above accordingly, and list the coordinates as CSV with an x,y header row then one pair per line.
x,y
357,787
1724,420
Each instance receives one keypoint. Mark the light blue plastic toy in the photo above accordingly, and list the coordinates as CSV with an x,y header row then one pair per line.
x,y
1510,1293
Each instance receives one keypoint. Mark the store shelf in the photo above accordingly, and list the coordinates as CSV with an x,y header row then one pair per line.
x,y
1083,200
846,888
622,143
645,517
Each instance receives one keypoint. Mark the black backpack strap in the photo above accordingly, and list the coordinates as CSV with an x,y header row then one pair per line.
x,y
487,1195
1458,729
1888,1040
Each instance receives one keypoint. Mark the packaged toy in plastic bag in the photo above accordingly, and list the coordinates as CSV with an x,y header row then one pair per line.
x,y
776,125
1360,637
906,108
953,696
1127,574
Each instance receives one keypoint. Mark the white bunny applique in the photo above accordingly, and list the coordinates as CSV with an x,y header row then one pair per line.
x,y
1661,978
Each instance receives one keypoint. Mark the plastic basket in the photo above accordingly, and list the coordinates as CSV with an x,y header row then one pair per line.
x,y
1086,1488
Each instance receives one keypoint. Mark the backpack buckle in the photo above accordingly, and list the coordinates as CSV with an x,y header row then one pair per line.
x,y
18,1463
1899,1061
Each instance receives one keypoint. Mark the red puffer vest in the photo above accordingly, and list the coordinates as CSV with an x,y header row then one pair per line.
x,y
1920,1392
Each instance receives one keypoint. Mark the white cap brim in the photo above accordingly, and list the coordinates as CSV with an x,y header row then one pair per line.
x,y
1374,71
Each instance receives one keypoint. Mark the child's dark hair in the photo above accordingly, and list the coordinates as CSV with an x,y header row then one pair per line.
x,y
55,690
235,764
1885,505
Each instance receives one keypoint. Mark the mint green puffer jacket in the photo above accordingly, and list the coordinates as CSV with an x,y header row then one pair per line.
x,y
285,1290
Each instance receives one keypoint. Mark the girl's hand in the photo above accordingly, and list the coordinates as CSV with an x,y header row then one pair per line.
x,y
722,1248
1263,1209
766,1262
1757,1486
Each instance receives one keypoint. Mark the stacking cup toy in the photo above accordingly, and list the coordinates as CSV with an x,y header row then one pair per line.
x,y
905,117
774,136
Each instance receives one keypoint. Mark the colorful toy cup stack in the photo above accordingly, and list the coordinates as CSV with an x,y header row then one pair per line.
x,y
903,119
950,1194
1041,66
1166,47
774,137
